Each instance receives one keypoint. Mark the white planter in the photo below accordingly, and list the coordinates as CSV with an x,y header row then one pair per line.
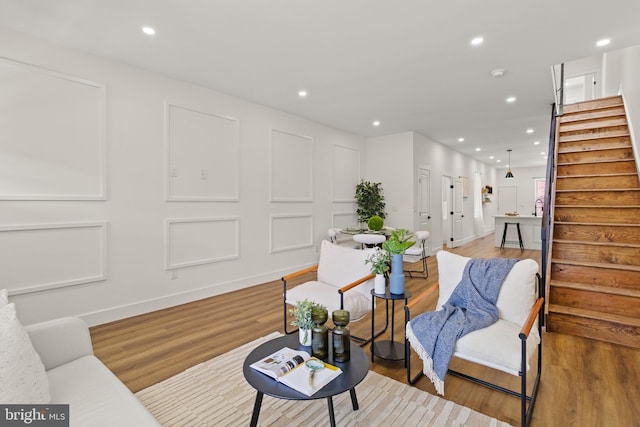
x,y
380,284
305,336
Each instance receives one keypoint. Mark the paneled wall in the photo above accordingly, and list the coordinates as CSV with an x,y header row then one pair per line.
x,y
123,191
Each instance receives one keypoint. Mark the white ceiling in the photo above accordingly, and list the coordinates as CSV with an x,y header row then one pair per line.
x,y
407,63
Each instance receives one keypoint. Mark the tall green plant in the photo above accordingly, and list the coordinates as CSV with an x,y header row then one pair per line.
x,y
369,200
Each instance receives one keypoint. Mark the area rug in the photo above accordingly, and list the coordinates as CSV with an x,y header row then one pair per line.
x,y
215,393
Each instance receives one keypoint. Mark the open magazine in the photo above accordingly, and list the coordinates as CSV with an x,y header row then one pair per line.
x,y
298,370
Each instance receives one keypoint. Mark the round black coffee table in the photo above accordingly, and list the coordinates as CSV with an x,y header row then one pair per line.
x,y
353,372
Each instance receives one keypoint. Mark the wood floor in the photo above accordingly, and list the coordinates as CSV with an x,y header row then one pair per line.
x,y
584,382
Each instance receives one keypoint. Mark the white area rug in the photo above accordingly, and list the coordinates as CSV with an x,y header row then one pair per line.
x,y
215,393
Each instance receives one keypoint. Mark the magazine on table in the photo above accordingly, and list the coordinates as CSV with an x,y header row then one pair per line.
x,y
298,370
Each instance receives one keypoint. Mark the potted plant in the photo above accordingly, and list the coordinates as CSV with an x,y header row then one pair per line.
x,y
369,201
379,261
302,319
396,245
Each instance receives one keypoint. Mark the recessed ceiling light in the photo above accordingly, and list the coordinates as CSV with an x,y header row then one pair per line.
x,y
498,72
511,99
603,42
302,93
376,123
460,139
498,161
546,157
536,142
478,149
149,31
529,130
543,153
476,41
492,157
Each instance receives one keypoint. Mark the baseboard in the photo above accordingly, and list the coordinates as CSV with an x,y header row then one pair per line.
x,y
166,301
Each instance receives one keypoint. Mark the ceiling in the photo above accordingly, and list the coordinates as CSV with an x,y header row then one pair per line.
x,y
407,63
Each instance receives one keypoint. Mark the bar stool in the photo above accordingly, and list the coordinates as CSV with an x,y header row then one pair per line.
x,y
504,234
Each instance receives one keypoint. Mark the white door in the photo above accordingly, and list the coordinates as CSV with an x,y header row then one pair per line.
x,y
447,211
424,199
458,214
579,88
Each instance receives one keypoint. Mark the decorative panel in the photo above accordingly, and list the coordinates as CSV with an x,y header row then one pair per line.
x,y
52,135
203,155
291,167
45,256
346,173
293,231
194,241
345,220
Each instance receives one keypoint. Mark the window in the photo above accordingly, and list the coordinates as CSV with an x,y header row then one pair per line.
x,y
540,185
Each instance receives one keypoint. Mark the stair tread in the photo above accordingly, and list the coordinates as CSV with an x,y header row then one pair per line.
x,y
594,243
598,175
585,115
592,137
567,150
600,206
592,123
583,190
626,267
598,224
596,288
616,100
617,318
594,162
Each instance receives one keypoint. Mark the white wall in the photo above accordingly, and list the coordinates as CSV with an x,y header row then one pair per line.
x,y
389,162
113,256
524,187
402,155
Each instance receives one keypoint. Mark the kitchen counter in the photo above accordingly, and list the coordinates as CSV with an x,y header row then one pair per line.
x,y
530,228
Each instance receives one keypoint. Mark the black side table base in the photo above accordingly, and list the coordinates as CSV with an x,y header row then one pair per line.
x,y
256,409
389,350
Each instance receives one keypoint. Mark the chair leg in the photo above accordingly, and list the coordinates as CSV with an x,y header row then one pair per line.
x,y
425,271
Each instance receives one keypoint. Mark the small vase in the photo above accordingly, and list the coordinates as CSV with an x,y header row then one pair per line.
x,y
305,336
380,284
396,278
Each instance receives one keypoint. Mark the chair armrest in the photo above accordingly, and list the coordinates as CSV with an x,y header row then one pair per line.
x,y
535,310
300,273
60,341
356,283
427,292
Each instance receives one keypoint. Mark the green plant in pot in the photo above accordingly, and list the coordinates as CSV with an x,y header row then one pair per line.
x,y
302,318
396,245
375,223
379,261
369,201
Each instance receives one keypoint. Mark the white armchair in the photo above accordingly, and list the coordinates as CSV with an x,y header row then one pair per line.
x,y
507,345
343,281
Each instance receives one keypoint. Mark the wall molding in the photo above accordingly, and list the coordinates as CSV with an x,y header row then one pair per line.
x,y
169,172
170,264
305,243
99,276
101,140
297,170
334,175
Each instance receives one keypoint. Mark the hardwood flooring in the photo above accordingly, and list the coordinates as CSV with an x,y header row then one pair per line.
x,y
584,383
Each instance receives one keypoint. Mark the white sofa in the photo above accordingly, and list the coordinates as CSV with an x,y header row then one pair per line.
x,y
96,397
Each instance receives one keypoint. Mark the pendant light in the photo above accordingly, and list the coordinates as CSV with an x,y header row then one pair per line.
x,y
509,175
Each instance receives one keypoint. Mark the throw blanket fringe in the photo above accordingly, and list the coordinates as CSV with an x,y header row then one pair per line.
x,y
427,361
471,306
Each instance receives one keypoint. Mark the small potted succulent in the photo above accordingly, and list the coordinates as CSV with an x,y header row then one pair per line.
x,y
303,320
379,261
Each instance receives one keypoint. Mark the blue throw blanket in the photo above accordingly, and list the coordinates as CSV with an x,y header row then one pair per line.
x,y
472,306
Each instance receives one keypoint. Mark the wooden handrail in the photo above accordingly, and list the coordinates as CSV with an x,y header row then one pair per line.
x,y
356,283
300,273
422,296
533,314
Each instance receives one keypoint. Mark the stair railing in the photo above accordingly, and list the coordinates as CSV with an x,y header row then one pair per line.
x,y
548,200
558,88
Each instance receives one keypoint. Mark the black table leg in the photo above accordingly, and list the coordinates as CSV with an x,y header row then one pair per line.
x,y
332,416
354,399
256,409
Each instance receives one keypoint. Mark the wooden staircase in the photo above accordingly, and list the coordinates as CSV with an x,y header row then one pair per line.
x,y
594,272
